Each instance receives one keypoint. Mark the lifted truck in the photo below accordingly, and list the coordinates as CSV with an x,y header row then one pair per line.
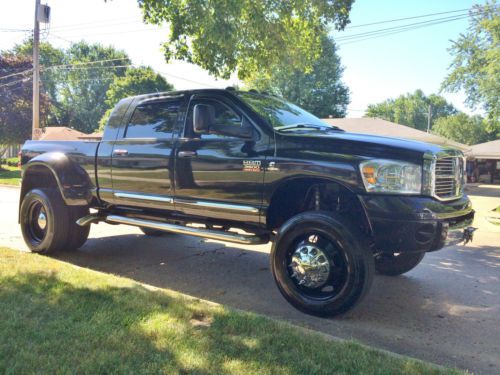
x,y
250,168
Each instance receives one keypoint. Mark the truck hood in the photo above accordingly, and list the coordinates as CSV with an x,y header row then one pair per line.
x,y
362,145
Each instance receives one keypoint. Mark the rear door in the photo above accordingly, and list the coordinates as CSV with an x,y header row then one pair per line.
x,y
142,156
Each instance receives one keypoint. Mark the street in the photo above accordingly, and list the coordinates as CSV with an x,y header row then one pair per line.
x,y
446,311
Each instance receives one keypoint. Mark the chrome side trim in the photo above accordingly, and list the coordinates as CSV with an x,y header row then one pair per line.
x,y
220,206
142,197
198,232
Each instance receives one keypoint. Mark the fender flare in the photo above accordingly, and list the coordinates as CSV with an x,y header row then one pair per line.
x,y
323,179
72,180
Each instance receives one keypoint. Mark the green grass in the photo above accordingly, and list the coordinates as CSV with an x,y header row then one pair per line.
x,y
59,318
9,175
497,209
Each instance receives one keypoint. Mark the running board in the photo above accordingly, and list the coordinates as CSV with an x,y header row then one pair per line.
x,y
220,235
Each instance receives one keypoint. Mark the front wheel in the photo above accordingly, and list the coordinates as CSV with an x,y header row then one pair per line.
x,y
321,263
397,263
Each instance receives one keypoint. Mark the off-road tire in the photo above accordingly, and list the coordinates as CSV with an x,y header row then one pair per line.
x,y
347,243
78,234
55,233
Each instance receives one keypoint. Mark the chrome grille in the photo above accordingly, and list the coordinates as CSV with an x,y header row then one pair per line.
x,y
448,177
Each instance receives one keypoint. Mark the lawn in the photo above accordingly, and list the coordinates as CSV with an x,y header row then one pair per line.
x,y
9,175
59,318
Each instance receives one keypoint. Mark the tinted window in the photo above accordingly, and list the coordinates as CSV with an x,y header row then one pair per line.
x,y
153,120
223,115
279,112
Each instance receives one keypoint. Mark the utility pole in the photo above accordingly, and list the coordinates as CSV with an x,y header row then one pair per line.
x,y
36,74
42,14
429,114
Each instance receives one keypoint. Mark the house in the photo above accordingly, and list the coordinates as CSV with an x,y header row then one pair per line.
x,y
377,126
60,133
485,159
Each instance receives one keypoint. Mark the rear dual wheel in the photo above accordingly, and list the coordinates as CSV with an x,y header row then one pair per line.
x,y
48,224
321,263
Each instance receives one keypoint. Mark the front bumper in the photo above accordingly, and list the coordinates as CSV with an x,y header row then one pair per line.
x,y
417,224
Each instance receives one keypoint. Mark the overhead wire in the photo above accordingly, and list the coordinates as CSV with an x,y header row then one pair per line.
x,y
16,74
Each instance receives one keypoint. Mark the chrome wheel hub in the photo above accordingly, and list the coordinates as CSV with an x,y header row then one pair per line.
x,y
310,266
42,220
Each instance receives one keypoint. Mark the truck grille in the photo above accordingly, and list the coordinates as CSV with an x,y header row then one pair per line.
x,y
448,172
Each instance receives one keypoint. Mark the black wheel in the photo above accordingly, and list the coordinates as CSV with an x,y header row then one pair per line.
x,y
78,235
44,221
321,263
398,263
153,232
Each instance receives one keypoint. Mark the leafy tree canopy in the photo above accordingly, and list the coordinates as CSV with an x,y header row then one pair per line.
x,y
246,36
476,62
136,81
319,91
77,90
462,128
412,109
16,94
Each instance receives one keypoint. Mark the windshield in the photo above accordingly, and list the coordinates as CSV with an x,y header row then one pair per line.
x,y
283,116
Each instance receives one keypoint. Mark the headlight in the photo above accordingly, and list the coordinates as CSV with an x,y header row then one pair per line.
x,y
391,176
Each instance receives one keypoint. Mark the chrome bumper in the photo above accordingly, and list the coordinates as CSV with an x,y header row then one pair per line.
x,y
457,234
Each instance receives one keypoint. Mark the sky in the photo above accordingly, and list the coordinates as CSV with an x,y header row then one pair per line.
x,y
375,69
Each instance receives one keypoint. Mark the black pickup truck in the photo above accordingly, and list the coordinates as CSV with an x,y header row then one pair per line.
x,y
250,168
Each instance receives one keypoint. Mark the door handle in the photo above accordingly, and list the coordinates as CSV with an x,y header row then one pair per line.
x,y
120,152
187,154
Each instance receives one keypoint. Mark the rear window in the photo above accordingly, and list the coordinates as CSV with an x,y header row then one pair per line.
x,y
153,120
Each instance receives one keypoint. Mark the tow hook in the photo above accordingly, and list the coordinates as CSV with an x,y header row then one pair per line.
x,y
468,234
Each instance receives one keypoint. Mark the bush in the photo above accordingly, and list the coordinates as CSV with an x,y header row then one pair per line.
x,y
11,162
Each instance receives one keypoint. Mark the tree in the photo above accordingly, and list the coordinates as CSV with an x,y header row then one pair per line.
x,y
136,81
412,109
476,62
49,56
16,94
462,128
319,91
83,90
76,89
246,36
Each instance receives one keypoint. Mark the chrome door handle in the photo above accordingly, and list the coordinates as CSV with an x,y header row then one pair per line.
x,y
187,154
120,152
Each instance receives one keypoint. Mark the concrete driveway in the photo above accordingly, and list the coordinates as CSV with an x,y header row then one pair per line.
x,y
446,311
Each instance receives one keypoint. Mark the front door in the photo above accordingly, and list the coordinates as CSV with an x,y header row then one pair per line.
x,y
142,159
220,176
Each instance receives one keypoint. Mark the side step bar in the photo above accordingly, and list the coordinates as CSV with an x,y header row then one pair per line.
x,y
245,239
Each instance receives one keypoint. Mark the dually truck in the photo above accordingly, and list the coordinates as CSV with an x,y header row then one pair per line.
x,y
250,168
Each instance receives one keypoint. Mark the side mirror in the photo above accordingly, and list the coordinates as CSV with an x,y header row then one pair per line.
x,y
245,131
203,118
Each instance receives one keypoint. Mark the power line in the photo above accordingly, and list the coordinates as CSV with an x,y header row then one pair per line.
x,y
405,18
344,42
16,74
92,23
402,28
3,30
73,68
367,33
12,83
85,63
